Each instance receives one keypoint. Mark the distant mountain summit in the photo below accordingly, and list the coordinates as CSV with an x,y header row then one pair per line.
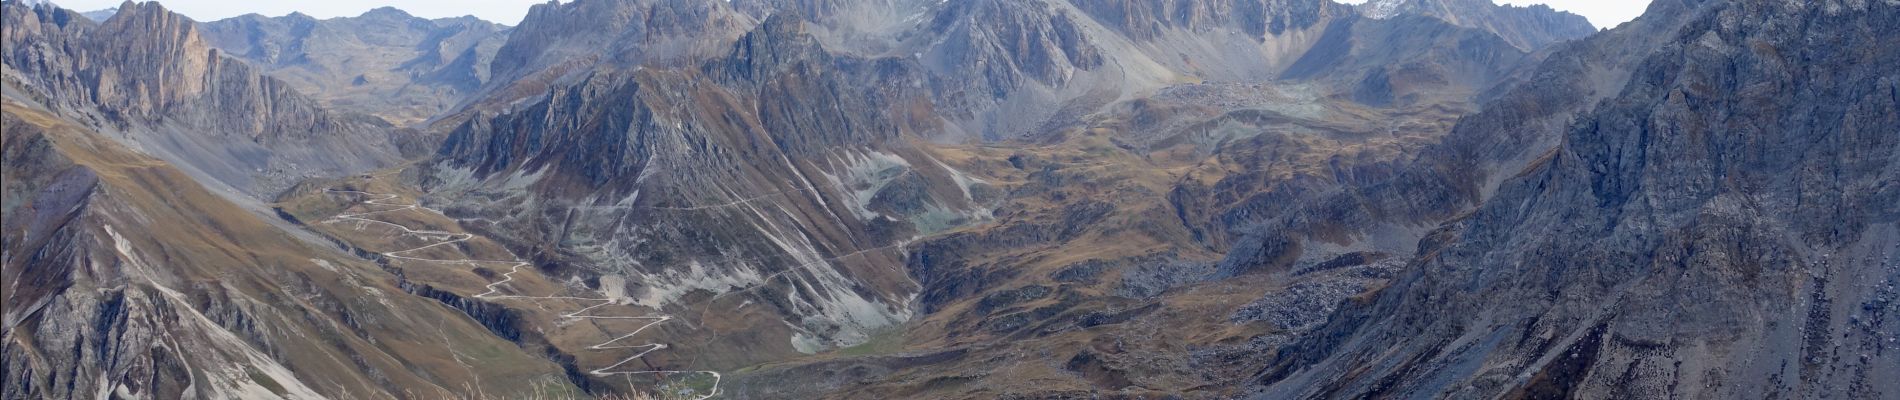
x,y
384,62
101,14
1528,28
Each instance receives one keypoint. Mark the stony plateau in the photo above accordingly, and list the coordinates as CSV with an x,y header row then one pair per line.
x,y
793,199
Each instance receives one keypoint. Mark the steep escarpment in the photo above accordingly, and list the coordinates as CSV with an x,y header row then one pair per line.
x,y
385,62
125,278
1723,227
147,75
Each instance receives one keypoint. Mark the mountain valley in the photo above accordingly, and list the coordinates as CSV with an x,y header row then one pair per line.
x,y
969,199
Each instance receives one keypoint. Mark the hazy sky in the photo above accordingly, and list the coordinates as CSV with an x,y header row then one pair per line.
x,y
1602,13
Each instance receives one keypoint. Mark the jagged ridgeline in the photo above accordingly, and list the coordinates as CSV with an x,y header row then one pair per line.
x,y
969,199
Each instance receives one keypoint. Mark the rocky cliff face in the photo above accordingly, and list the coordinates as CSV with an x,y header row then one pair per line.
x,y
126,279
1641,257
385,62
1528,28
147,75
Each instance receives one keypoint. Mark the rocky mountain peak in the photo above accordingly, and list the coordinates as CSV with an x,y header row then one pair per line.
x,y
781,40
619,32
166,50
1528,28
386,12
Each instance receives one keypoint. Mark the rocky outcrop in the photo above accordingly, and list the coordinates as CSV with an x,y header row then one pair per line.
x,y
385,62
148,75
1724,226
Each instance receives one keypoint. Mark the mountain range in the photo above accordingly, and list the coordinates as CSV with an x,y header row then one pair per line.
x,y
691,199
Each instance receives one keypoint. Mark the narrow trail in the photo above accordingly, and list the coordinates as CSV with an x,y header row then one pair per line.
x,y
444,238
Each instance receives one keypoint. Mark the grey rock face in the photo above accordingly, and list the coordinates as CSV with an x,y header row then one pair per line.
x,y
1722,227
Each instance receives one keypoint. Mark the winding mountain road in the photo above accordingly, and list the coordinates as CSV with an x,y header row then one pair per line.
x,y
494,290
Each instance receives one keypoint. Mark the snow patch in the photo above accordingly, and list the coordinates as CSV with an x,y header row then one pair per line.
x,y
1381,9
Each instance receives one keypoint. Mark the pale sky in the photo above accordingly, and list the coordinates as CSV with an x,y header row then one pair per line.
x,y
1602,13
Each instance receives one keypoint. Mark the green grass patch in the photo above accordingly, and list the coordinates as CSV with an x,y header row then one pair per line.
x,y
264,380
883,341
